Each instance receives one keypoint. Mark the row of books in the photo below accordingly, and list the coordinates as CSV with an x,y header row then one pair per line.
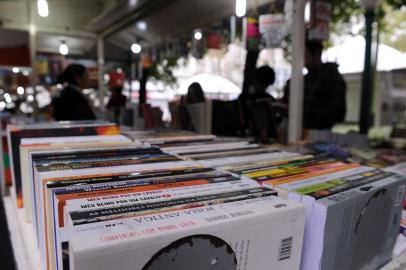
x,y
160,200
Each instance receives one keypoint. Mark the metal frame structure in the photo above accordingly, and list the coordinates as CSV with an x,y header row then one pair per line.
x,y
142,9
296,87
298,36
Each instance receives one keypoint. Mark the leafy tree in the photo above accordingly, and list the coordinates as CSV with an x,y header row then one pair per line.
x,y
391,15
394,29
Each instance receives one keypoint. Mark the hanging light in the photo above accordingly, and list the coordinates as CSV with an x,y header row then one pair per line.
x,y
240,7
7,98
42,6
63,48
16,69
20,90
142,26
136,48
198,35
307,12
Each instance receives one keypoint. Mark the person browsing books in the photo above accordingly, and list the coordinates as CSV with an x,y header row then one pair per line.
x,y
324,100
70,104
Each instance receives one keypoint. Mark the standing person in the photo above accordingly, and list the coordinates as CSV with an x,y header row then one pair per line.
x,y
324,101
195,94
258,108
263,78
117,100
70,104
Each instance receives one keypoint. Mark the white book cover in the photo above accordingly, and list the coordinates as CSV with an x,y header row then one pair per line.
x,y
255,234
155,193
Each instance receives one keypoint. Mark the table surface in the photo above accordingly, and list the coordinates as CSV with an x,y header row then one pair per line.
x,y
27,254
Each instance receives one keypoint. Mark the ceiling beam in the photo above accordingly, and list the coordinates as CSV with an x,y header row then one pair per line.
x,y
148,8
50,30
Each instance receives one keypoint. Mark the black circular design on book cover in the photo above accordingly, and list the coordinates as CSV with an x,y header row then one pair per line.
x,y
370,231
197,252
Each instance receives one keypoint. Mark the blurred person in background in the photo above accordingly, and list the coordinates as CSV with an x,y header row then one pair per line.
x,y
258,108
195,94
117,100
263,78
324,100
70,104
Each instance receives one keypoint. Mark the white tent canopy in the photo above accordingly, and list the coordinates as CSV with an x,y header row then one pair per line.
x,y
350,56
210,84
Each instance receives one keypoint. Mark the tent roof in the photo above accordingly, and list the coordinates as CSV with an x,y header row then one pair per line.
x,y
78,22
350,56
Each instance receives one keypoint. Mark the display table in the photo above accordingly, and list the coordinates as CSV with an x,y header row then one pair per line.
x,y
22,237
27,254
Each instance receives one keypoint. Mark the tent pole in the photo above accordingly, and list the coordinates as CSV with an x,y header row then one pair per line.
x,y
32,43
366,91
296,85
100,66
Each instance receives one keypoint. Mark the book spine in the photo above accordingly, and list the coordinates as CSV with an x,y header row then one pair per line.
x,y
114,177
156,195
108,163
336,186
184,203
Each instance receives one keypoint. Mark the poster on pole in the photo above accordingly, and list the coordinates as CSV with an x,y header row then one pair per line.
x,y
321,17
272,28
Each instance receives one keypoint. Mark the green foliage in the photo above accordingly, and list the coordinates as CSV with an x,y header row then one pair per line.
x,y
389,17
394,29
396,4
163,70
344,10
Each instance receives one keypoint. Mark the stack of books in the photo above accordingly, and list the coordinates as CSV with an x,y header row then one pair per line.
x,y
345,201
176,200
105,202
352,211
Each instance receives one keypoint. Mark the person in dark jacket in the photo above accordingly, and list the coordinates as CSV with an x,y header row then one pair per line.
x,y
263,78
70,104
258,107
195,94
324,101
